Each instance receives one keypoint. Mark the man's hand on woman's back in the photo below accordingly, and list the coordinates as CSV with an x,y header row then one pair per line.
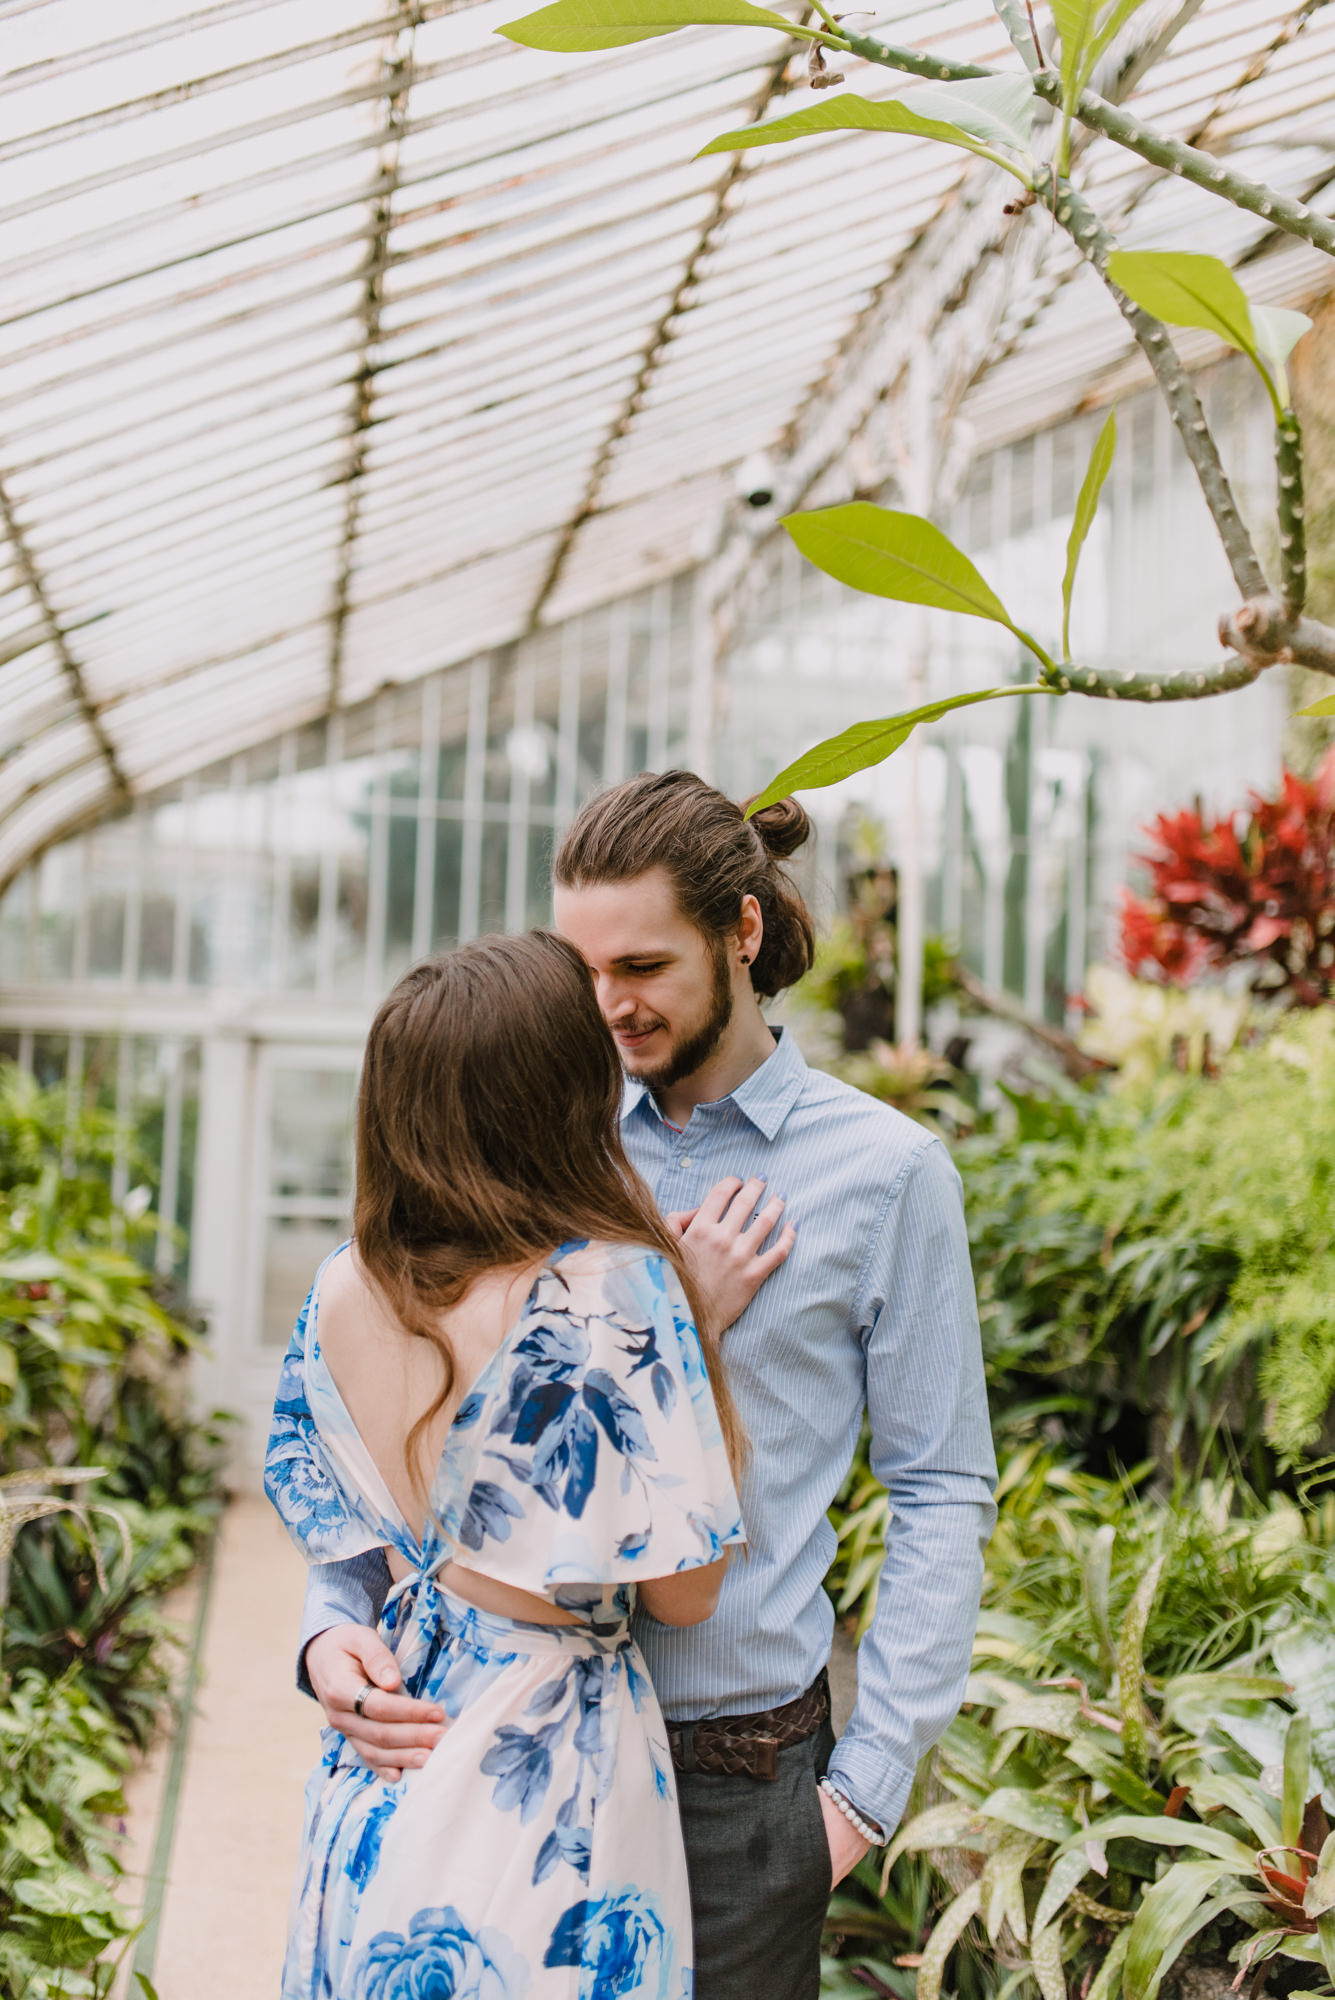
x,y
393,1733
722,1240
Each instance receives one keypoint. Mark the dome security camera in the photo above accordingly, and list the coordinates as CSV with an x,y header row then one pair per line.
x,y
755,480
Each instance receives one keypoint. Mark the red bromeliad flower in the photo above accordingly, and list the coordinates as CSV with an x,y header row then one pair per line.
x,y
1261,894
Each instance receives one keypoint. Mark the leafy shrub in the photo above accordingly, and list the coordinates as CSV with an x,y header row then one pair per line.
x,y
1111,1794
1137,1250
61,1764
80,1316
92,1360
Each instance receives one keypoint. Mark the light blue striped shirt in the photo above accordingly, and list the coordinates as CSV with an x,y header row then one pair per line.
x,y
873,1310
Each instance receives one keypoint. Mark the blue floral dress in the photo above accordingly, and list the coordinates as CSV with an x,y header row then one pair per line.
x,y
538,1852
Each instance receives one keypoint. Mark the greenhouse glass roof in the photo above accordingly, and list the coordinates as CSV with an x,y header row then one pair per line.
x,y
342,339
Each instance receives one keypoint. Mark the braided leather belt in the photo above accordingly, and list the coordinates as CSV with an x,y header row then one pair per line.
x,y
748,1746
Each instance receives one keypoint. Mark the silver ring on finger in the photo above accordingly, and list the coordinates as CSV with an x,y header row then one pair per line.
x,y
359,1706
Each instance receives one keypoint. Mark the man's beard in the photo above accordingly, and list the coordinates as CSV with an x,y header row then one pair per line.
x,y
694,1052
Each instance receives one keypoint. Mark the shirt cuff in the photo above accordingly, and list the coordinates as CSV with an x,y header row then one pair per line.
x,y
344,1593
876,1789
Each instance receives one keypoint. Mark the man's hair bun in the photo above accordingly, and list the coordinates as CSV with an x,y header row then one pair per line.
x,y
783,827
715,858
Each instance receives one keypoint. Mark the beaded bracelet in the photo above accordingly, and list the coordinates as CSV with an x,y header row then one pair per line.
x,y
856,1821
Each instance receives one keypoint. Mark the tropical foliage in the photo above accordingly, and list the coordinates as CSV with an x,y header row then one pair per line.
x,y
1138,1769
110,1490
1136,1794
1255,890
61,1764
1154,1262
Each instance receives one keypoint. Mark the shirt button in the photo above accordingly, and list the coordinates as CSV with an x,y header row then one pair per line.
x,y
686,1160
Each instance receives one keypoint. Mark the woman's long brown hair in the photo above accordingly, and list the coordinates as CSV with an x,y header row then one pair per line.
x,y
488,1133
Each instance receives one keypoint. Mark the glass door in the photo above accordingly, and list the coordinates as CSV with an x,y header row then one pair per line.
x,y
306,1101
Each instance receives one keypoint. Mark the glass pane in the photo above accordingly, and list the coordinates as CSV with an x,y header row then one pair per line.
x,y
157,928
350,919
108,869
59,886
101,1065
451,768
183,1209
445,901
294,1249
14,929
491,899
310,1134
592,735
500,726
50,1057
303,920
199,949
400,896
538,898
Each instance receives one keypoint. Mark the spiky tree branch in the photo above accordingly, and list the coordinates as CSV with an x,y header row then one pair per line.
x,y
1096,244
1174,156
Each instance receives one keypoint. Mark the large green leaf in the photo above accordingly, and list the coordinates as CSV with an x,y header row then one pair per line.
x,y
1320,1893
1187,289
1325,1938
1110,26
1063,1876
1305,1655
976,131
1045,1955
1165,1832
1131,1669
1163,1912
950,1926
1086,506
1052,1714
1108,1979
1002,1883
997,109
890,554
1089,1752
1220,1686
1015,1806
1087,28
610,24
939,1826
865,744
1076,21
1297,1772
1278,330
1258,1812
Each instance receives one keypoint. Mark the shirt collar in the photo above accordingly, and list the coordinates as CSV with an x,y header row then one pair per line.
x,y
764,1098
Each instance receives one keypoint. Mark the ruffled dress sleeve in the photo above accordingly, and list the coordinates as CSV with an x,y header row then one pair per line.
x,y
311,1477
602,1461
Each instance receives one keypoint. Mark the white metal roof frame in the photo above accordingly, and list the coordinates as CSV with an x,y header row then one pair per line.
x,y
340,339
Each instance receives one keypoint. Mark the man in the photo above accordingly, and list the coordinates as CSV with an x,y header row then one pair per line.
x,y
688,920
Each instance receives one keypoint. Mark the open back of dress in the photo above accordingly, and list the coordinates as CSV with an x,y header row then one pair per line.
x,y
538,1852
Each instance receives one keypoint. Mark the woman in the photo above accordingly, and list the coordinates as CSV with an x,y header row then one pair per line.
x,y
500,1381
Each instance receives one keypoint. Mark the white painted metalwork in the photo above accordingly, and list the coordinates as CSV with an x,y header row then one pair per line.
x,y
342,340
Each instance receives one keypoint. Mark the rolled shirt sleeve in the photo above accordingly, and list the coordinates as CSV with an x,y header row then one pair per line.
x,y
932,1448
352,1592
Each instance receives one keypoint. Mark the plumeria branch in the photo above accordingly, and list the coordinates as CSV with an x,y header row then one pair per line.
x,y
1096,244
1095,112
1194,684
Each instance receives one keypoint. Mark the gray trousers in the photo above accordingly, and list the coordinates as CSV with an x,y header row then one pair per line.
x,y
759,1866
